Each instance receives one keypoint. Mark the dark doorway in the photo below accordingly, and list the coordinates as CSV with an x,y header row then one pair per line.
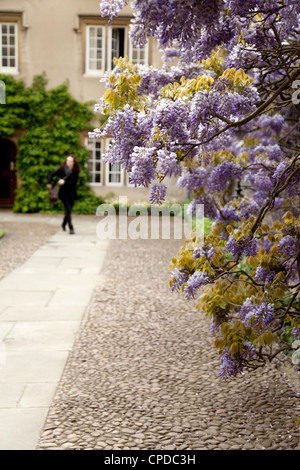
x,y
8,178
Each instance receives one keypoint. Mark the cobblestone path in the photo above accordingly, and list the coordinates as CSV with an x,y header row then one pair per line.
x,y
143,373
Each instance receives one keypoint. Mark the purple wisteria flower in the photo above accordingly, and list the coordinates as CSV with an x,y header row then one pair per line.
x,y
275,122
222,175
260,180
280,170
288,245
192,178
245,246
248,351
169,164
230,366
204,250
295,333
264,275
111,8
169,54
258,317
158,193
143,166
241,7
124,144
179,276
197,280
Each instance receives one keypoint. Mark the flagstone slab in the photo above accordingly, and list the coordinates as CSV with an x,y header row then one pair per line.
x,y
32,366
11,394
41,336
42,262
16,298
37,395
69,297
20,427
27,313
46,280
91,262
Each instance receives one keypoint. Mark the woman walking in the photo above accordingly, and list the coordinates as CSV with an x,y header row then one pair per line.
x,y
68,177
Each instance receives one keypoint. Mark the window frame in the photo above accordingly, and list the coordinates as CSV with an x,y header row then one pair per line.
x,y
89,71
15,20
87,142
120,22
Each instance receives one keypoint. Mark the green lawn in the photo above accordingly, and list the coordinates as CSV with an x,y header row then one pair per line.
x,y
1,233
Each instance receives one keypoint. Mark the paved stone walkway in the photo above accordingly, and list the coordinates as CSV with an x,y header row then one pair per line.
x,y
143,372
42,304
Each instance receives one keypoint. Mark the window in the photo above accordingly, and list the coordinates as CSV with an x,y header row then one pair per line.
x,y
102,173
117,46
8,48
95,49
105,42
114,173
95,164
138,55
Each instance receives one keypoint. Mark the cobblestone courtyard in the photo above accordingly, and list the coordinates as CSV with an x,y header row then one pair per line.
x,y
143,371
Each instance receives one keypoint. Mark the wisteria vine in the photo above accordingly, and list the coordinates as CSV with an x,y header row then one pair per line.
x,y
224,122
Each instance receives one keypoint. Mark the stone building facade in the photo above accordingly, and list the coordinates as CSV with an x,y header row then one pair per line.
x,y
69,40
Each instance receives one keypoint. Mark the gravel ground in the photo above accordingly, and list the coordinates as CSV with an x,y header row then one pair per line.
x,y
20,241
143,373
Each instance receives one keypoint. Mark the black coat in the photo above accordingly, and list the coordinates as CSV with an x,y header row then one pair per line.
x,y
67,192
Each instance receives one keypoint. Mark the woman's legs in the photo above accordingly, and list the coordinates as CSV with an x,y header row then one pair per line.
x,y
64,221
68,210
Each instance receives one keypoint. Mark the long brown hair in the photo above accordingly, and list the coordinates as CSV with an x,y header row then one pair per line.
x,y
76,166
